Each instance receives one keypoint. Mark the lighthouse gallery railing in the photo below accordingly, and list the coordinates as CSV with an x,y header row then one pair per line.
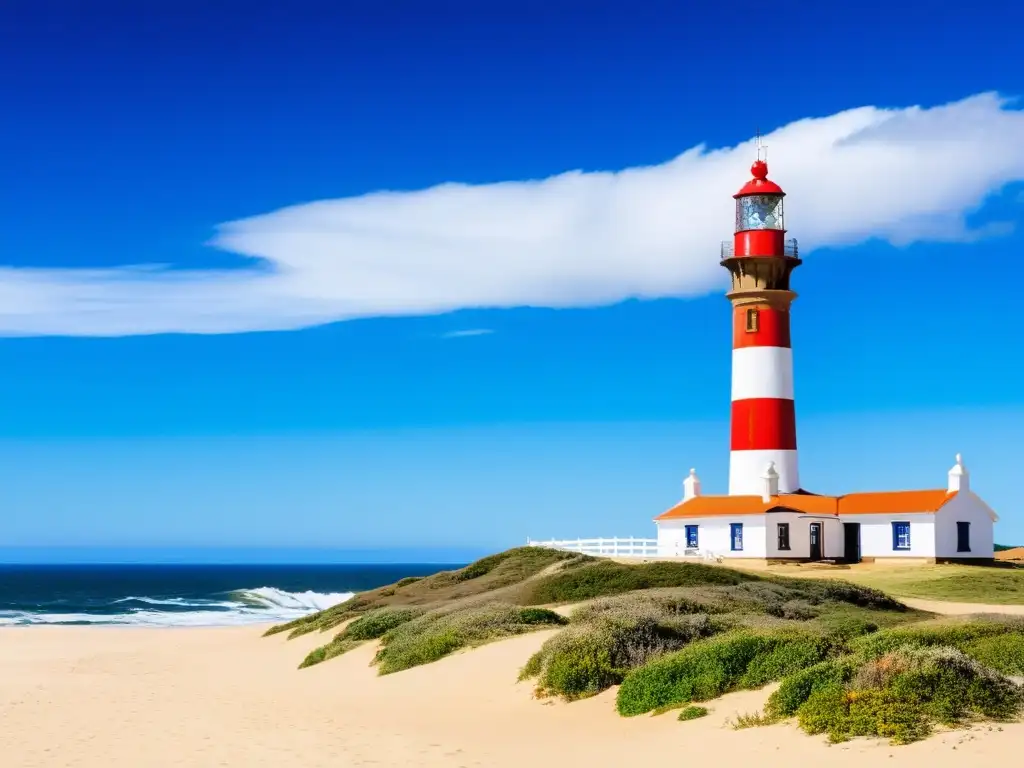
x,y
791,249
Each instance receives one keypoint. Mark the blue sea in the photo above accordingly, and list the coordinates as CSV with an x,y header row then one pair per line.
x,y
184,595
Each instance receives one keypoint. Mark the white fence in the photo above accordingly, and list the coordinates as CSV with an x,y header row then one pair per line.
x,y
615,547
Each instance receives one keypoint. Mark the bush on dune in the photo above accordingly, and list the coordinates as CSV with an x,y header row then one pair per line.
x,y
998,641
898,682
903,693
692,712
369,626
376,623
798,687
438,633
709,668
336,647
590,657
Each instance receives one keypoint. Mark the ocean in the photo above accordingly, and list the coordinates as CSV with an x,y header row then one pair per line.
x,y
184,595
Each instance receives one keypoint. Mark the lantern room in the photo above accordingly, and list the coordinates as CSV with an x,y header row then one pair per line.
x,y
760,223
759,203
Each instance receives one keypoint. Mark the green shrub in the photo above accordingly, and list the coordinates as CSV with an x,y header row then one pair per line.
x,y
336,647
376,623
798,687
606,577
586,659
438,633
1004,653
901,694
709,668
692,712
842,715
955,634
404,582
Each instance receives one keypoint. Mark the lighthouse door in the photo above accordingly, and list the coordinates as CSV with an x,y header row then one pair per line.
x,y
815,541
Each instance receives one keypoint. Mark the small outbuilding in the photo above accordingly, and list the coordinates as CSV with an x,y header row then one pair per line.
x,y
951,524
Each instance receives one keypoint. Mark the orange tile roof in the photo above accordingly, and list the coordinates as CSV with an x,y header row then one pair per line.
x,y
881,503
894,502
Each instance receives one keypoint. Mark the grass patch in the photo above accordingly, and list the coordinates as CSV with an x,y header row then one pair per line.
x,y
605,577
902,694
709,668
692,712
1001,584
439,633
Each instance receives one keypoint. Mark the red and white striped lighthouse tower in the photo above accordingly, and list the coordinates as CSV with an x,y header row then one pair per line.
x,y
760,261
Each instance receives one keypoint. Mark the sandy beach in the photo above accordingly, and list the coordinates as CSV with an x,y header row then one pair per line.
x,y
106,696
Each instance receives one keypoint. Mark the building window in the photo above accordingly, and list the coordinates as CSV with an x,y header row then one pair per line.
x,y
753,321
691,537
783,536
900,536
736,537
963,537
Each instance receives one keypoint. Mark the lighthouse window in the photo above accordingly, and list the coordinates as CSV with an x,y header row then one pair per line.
x,y
691,536
753,321
759,212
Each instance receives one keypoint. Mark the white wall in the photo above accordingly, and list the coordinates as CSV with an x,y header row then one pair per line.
x,y
800,535
713,535
876,534
966,507
760,535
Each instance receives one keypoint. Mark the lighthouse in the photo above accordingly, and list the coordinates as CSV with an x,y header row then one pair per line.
x,y
760,261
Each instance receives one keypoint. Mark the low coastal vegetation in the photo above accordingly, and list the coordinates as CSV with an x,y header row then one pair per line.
x,y
1002,584
850,660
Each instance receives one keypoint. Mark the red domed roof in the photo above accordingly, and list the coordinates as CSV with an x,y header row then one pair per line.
x,y
760,185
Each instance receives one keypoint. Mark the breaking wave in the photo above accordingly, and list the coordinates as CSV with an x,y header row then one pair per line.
x,y
237,607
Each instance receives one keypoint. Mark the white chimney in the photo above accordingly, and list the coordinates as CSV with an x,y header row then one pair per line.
x,y
691,486
769,482
959,477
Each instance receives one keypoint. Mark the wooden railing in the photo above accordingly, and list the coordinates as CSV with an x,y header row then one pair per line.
x,y
613,547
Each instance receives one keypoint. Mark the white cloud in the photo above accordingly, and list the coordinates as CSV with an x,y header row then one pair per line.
x,y
467,332
575,239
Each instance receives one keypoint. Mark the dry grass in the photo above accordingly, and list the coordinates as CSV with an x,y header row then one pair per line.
x,y
497,577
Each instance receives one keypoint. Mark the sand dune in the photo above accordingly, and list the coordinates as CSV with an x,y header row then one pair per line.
x,y
101,696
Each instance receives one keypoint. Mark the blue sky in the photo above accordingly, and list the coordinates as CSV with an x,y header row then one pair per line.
x,y
141,134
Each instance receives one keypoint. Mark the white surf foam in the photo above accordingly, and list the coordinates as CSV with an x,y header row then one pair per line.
x,y
244,606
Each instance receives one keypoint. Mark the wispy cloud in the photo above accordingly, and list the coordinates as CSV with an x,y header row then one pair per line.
x,y
468,332
575,239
